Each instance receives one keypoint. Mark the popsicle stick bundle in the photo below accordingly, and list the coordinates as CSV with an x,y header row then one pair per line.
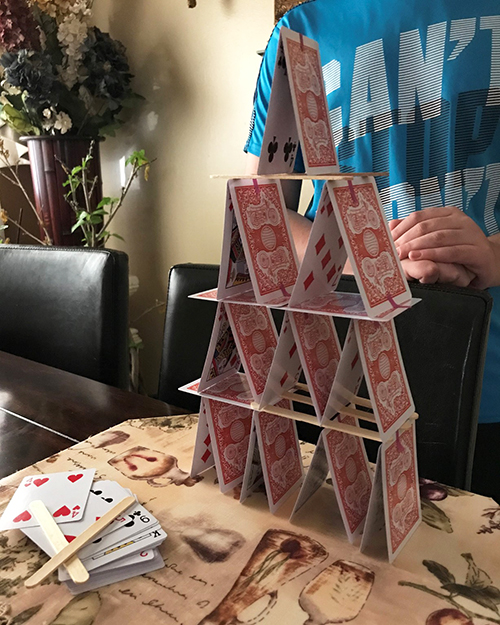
x,y
247,426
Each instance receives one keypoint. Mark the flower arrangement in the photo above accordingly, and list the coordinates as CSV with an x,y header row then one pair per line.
x,y
59,74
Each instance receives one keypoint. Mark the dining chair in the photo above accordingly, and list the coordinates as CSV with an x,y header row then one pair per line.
x,y
443,343
67,308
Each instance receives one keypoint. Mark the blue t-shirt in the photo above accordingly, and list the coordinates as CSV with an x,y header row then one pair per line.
x,y
413,88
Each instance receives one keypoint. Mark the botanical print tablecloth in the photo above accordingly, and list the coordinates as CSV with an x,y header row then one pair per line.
x,y
232,563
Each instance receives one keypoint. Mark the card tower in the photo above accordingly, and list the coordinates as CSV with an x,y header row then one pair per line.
x,y
250,382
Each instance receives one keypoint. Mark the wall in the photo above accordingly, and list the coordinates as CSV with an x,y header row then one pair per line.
x,y
197,70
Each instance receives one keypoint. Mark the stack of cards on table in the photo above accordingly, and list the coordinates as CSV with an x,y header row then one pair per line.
x,y
126,548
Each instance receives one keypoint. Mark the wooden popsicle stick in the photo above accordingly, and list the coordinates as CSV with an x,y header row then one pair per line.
x,y
330,425
340,176
80,541
302,399
54,535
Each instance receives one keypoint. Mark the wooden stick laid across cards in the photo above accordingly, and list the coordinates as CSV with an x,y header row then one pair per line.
x,y
80,541
75,568
294,176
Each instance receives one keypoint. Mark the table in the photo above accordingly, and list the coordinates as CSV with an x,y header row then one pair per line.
x,y
44,410
227,561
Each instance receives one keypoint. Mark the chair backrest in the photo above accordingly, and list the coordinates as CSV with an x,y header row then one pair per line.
x,y
67,308
443,342
188,327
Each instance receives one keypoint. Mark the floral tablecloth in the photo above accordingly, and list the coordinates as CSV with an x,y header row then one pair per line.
x,y
232,563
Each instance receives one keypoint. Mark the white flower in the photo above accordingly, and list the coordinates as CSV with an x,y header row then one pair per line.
x,y
47,113
63,122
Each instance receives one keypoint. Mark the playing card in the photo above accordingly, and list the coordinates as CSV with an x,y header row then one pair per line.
x,y
286,366
347,379
324,258
125,568
305,76
140,542
370,247
104,494
315,476
351,476
385,375
64,494
255,335
229,428
234,276
253,476
374,539
280,456
203,457
319,349
401,490
222,357
233,390
280,141
267,241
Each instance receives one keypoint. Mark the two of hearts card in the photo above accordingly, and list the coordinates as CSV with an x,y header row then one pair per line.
x,y
257,374
127,547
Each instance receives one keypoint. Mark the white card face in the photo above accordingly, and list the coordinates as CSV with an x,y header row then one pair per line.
x,y
222,359
280,141
307,88
104,494
64,494
253,477
267,240
319,349
234,276
229,428
280,456
374,539
348,378
315,476
286,367
351,476
141,542
401,490
370,247
255,334
203,457
324,258
385,375
104,576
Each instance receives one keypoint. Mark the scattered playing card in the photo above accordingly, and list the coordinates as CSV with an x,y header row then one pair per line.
x,y
64,494
103,495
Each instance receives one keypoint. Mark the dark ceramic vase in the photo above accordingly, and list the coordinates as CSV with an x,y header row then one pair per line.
x,y
46,155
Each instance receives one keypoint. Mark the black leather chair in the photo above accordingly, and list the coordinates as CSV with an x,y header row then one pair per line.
x,y
67,308
443,342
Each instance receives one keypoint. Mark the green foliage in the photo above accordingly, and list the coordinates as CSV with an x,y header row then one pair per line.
x,y
94,222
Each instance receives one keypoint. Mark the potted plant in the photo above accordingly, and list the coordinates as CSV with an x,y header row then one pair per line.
x,y
64,84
